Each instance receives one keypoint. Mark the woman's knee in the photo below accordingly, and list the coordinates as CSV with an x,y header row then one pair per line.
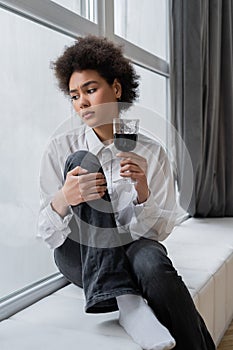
x,y
84,159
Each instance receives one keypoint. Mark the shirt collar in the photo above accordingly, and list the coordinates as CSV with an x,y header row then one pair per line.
x,y
93,142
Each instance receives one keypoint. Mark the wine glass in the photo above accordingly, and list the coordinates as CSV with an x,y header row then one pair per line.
x,y
125,133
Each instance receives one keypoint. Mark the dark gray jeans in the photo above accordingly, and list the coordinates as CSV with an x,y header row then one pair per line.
x,y
139,267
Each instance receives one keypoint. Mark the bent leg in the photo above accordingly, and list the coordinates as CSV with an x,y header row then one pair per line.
x,y
105,267
167,295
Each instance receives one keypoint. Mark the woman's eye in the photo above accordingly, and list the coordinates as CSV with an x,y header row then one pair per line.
x,y
90,91
74,98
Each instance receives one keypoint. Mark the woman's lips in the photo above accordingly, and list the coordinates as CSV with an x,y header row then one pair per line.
x,y
87,115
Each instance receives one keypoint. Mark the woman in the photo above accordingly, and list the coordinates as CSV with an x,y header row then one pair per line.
x,y
106,235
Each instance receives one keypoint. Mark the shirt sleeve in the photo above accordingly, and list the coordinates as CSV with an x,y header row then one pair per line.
x,y
52,228
156,218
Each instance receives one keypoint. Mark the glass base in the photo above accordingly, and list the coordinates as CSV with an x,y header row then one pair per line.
x,y
126,180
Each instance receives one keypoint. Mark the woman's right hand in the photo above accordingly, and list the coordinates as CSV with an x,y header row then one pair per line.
x,y
84,187
78,189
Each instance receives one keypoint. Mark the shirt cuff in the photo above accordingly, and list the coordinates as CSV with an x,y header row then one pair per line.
x,y
148,209
52,228
148,203
58,222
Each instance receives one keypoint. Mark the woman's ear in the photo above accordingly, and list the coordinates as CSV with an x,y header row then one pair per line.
x,y
117,88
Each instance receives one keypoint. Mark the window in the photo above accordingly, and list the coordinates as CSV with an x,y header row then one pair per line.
x,y
143,23
86,9
72,5
153,102
31,34
31,108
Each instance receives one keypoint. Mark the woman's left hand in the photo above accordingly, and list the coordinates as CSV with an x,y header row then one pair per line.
x,y
135,167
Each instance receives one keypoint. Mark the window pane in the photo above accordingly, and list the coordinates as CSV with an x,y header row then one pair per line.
x,y
84,8
143,23
31,109
153,97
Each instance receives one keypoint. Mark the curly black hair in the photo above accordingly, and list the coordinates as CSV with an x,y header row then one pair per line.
x,y
101,55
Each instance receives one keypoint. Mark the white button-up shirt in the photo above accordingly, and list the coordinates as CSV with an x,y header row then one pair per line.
x,y
152,219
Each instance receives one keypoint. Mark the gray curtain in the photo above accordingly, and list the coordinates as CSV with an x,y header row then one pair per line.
x,y
202,101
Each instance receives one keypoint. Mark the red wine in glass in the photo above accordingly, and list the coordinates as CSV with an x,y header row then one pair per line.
x,y
125,142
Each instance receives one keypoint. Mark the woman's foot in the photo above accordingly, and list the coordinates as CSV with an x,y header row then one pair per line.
x,y
139,321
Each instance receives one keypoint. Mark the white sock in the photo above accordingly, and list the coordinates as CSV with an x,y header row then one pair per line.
x,y
139,321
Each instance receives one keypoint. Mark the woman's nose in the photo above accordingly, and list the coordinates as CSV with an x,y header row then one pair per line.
x,y
83,101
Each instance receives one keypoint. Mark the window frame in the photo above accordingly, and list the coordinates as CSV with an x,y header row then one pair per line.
x,y
59,18
51,15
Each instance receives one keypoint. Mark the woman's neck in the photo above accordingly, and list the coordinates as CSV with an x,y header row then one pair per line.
x,y
105,133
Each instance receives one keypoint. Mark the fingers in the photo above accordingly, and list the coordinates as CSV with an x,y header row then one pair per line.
x,y
91,177
86,197
78,170
91,189
131,158
129,155
91,183
97,177
84,187
132,162
132,168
